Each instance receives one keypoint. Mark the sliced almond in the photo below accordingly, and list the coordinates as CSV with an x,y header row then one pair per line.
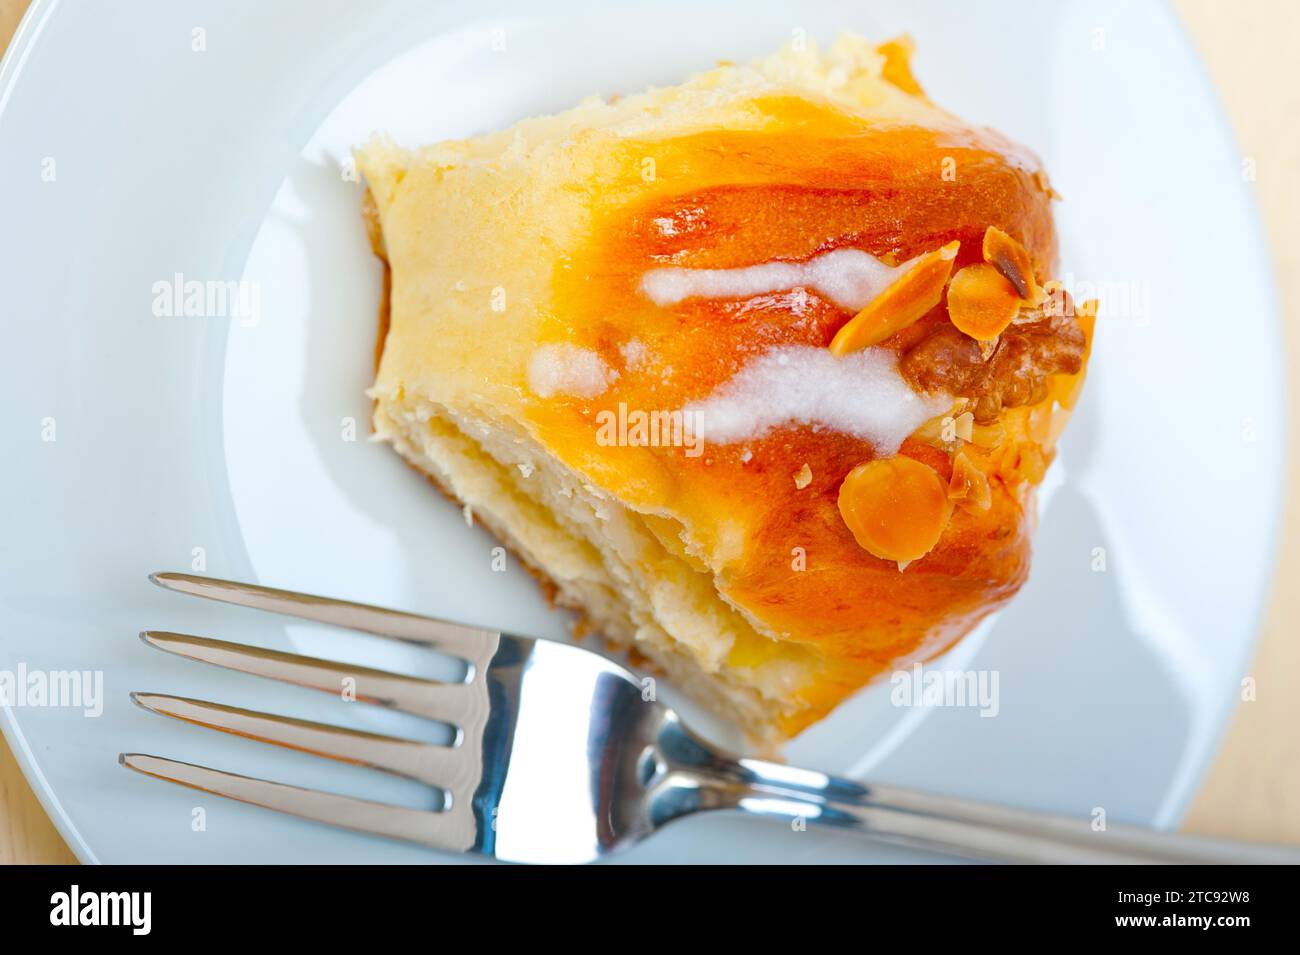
x,y
1012,261
1056,300
897,68
988,435
933,432
981,302
964,425
1026,462
1039,421
1045,184
803,477
914,293
896,508
941,430
969,485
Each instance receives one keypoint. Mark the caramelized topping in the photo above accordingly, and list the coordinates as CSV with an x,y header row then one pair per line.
x,y
896,507
1015,374
982,302
916,292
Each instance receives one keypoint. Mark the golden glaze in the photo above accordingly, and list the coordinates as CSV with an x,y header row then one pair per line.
x,y
810,180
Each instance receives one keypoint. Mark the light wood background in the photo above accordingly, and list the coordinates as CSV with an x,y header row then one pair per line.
x,y
1253,790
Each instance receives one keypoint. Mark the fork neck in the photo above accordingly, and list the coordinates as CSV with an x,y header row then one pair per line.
x,y
691,776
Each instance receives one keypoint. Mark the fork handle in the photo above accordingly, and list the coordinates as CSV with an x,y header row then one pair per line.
x,y
962,827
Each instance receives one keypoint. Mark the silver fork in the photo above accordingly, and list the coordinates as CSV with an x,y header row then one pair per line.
x,y
560,758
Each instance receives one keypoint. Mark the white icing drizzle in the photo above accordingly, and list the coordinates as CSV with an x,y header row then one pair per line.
x,y
861,394
850,278
565,369
635,354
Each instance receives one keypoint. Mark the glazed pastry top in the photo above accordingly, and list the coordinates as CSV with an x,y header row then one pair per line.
x,y
834,296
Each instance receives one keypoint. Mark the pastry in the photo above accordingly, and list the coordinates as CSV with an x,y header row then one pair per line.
x,y
758,373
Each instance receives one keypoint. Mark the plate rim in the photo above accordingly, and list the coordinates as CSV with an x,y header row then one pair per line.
x,y
1184,786
11,66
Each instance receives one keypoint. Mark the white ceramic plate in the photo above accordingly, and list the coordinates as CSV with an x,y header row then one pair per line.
x,y
128,156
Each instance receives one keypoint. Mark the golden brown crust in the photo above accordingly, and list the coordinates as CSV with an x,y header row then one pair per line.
x,y
807,179
375,233
826,185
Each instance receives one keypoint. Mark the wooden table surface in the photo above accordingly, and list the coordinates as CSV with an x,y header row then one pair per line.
x,y
1253,789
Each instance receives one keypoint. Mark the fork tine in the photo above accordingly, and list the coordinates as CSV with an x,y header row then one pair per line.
x,y
447,702
454,638
438,830
434,765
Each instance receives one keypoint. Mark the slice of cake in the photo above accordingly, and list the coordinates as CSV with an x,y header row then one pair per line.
x,y
758,373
